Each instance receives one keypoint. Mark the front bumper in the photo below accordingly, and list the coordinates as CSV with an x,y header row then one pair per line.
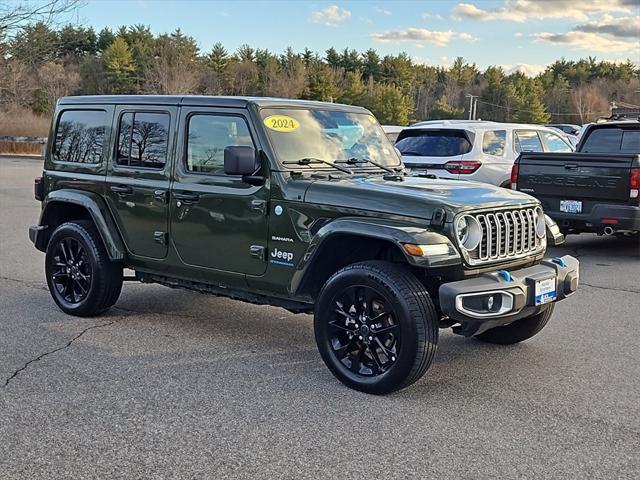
x,y
512,294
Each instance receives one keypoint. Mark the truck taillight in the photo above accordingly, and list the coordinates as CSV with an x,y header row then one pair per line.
x,y
634,183
38,188
462,167
515,172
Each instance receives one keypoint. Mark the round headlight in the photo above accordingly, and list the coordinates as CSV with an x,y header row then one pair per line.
x,y
469,232
541,227
462,229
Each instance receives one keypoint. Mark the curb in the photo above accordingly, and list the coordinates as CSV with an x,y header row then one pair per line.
x,y
21,156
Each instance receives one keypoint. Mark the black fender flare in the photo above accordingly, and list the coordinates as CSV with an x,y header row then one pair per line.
x,y
393,232
93,203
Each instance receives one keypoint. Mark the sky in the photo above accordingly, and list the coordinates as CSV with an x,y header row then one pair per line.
x,y
515,34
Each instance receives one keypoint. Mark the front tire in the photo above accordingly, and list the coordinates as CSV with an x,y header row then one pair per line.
x,y
376,327
519,330
81,278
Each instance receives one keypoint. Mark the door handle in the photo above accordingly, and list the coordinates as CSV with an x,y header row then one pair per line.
x,y
121,189
571,166
186,197
160,196
259,206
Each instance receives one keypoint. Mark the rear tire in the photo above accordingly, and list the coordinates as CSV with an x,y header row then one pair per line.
x,y
81,278
517,331
376,327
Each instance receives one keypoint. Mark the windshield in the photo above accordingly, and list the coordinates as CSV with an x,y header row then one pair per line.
x,y
327,135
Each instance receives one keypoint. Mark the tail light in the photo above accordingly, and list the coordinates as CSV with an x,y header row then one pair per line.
x,y
634,183
462,167
515,173
38,189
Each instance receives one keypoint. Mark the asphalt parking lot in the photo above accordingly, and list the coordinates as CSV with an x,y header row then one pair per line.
x,y
172,384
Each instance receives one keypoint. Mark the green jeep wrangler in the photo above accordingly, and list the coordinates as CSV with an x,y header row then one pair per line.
x,y
302,205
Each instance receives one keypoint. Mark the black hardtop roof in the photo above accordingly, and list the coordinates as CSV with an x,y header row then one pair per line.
x,y
203,100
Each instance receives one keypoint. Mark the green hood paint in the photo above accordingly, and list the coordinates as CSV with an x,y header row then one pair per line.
x,y
412,197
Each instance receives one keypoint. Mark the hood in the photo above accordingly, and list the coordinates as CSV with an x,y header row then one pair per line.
x,y
413,197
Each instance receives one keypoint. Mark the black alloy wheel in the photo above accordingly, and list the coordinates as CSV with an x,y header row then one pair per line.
x,y
376,327
364,335
81,278
72,271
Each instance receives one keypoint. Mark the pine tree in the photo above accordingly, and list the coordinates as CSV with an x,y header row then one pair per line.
x,y
444,110
119,66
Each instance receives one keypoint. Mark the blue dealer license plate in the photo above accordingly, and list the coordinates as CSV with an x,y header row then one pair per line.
x,y
545,291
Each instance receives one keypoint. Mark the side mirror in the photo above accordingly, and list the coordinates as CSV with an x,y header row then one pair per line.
x,y
240,161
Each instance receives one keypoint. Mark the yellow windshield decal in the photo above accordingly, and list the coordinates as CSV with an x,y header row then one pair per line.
x,y
281,123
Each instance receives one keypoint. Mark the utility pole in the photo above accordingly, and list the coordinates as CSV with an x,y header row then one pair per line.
x,y
473,105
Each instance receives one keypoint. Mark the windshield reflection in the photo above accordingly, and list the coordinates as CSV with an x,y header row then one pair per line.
x,y
327,135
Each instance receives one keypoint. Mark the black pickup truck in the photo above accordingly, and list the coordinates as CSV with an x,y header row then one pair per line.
x,y
594,189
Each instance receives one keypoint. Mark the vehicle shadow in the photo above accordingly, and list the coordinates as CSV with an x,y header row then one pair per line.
x,y
174,323
587,244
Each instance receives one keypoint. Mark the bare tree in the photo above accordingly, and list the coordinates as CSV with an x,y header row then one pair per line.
x,y
14,16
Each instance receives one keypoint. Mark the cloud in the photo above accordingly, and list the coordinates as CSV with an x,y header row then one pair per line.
x,y
366,20
427,15
382,11
527,10
619,28
420,36
330,16
517,34
529,69
588,41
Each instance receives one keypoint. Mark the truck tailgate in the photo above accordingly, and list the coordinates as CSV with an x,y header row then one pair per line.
x,y
586,176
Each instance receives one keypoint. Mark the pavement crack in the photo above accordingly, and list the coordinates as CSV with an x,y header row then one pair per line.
x,y
50,352
630,290
24,282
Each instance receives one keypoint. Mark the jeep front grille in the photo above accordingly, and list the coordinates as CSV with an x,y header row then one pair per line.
x,y
506,235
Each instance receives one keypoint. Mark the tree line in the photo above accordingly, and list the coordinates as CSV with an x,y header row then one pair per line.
x,y
40,63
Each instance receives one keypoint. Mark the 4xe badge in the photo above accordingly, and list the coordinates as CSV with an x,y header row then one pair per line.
x,y
280,257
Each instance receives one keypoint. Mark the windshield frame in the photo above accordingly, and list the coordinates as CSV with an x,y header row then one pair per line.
x,y
358,167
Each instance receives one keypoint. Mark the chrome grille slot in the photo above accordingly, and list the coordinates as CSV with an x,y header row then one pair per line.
x,y
506,234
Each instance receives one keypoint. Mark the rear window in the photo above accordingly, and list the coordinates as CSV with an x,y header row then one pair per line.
x,y
79,136
493,142
611,140
433,143
631,141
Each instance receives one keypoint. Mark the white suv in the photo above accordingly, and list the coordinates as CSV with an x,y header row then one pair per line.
x,y
474,149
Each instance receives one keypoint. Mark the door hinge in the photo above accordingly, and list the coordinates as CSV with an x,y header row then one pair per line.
x,y
438,218
160,237
259,206
257,251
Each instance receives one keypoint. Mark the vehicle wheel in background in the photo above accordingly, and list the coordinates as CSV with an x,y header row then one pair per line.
x,y
519,330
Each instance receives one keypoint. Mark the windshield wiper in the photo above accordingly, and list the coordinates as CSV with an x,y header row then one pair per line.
x,y
354,160
310,160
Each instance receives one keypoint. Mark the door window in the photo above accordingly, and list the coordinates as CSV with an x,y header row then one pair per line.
x,y
208,136
80,136
493,142
528,141
143,139
555,143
